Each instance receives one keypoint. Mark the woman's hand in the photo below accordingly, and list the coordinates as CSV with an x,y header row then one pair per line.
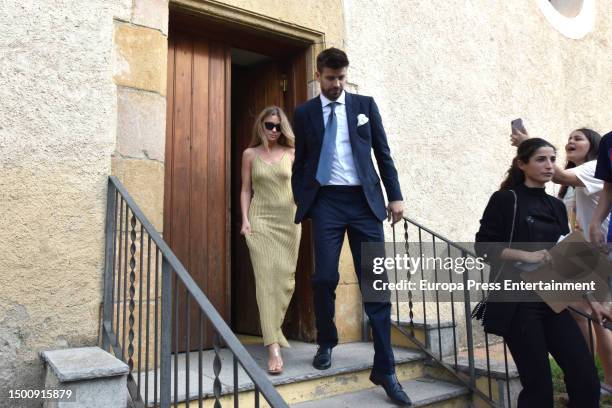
x,y
600,313
597,236
246,228
517,138
542,256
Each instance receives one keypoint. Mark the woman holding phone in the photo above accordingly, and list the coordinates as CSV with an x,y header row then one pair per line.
x,y
272,237
520,224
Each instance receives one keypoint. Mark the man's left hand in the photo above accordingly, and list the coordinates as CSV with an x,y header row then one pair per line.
x,y
395,211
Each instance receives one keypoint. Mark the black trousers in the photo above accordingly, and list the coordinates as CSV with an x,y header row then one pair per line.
x,y
536,331
336,211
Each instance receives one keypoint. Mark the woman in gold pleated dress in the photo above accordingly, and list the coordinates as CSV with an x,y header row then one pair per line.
x,y
268,211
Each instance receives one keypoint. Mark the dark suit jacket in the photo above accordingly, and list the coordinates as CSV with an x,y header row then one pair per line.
x,y
309,129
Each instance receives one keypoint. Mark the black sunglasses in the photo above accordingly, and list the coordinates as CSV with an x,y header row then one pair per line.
x,y
270,126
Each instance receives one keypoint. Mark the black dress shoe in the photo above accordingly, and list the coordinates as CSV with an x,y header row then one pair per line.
x,y
322,360
392,387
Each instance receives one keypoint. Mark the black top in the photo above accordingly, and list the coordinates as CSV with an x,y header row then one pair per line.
x,y
540,220
604,160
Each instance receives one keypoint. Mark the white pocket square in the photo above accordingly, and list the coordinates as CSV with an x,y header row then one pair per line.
x,y
362,119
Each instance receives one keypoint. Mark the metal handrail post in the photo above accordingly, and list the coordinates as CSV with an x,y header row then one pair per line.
x,y
166,335
468,327
109,261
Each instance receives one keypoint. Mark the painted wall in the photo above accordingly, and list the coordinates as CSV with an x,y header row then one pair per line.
x,y
448,80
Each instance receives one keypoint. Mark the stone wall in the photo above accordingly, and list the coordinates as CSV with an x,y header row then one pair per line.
x,y
140,72
62,115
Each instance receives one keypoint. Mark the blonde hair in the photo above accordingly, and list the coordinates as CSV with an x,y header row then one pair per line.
x,y
259,136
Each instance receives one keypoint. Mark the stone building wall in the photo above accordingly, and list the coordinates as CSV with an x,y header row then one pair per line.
x,y
83,97
56,138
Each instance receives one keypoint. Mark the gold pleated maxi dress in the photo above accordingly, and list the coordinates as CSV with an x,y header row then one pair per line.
x,y
273,243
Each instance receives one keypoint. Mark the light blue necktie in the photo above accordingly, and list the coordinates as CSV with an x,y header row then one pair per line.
x,y
328,148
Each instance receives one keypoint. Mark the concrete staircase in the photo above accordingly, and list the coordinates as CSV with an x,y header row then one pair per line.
x,y
491,377
346,383
424,392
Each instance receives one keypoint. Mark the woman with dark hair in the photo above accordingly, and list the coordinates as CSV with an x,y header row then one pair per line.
x,y
268,211
520,224
579,175
582,147
581,192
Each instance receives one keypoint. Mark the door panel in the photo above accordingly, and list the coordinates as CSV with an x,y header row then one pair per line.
x,y
197,220
196,197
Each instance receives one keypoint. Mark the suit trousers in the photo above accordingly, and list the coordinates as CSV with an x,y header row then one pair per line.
x,y
537,330
338,210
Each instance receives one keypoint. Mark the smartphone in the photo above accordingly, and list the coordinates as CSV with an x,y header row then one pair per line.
x,y
517,125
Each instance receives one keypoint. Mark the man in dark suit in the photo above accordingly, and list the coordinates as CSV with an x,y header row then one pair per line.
x,y
335,184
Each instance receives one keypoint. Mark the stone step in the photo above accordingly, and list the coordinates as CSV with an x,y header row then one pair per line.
x,y
423,391
351,365
499,387
439,337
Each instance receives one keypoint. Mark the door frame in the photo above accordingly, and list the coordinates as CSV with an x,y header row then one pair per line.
x,y
238,19
258,33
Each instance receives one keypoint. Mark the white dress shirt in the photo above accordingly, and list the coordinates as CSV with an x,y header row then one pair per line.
x,y
343,171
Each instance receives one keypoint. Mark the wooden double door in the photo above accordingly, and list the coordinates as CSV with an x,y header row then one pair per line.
x,y
211,105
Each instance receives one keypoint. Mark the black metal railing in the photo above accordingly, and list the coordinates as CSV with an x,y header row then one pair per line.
x,y
459,360
156,318
450,320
